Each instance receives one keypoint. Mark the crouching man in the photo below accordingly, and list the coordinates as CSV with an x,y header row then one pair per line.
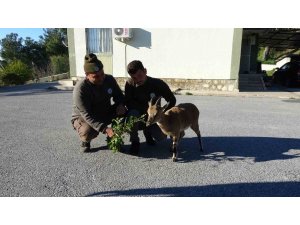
x,y
92,108
139,90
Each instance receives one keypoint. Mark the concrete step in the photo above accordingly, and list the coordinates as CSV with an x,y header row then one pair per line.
x,y
260,85
251,82
251,90
66,82
250,75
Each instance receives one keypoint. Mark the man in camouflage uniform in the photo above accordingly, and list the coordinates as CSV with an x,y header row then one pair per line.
x,y
92,108
139,90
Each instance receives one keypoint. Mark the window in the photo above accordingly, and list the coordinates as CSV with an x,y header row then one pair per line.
x,y
99,40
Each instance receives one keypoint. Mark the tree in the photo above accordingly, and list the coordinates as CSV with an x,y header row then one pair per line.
x,y
54,39
11,47
34,53
28,51
47,56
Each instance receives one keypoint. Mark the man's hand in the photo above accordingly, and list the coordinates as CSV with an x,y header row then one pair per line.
x,y
121,110
109,132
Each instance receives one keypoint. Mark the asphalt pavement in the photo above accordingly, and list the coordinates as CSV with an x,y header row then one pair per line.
x,y
251,148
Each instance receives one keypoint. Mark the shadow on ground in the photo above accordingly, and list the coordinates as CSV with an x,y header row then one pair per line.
x,y
260,149
270,189
97,149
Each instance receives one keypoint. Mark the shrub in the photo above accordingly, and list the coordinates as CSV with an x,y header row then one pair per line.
x,y
15,72
59,64
45,71
1,74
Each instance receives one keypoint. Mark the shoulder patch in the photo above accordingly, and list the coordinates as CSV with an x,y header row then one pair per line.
x,y
152,95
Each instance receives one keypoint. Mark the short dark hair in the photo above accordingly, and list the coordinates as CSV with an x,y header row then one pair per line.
x,y
134,66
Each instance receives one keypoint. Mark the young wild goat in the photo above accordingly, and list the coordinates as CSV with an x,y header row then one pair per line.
x,y
174,121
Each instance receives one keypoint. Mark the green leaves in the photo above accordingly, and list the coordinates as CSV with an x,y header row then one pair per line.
x,y
53,40
121,126
15,72
47,56
11,47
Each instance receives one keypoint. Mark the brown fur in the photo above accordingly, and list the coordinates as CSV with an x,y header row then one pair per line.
x,y
174,121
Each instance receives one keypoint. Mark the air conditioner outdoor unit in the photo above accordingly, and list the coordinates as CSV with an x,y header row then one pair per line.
x,y
122,33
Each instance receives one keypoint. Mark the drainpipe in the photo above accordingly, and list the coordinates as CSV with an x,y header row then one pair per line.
x,y
126,75
124,40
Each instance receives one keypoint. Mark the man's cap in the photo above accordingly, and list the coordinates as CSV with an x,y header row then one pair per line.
x,y
92,63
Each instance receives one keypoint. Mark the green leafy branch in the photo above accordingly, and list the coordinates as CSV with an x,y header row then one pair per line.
x,y
120,128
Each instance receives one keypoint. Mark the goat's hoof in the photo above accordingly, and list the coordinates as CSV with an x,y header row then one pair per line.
x,y
174,159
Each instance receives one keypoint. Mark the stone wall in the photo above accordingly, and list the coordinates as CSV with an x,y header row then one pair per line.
x,y
194,84
51,78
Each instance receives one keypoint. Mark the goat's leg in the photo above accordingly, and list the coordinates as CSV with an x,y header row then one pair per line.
x,y
174,149
200,141
195,128
171,146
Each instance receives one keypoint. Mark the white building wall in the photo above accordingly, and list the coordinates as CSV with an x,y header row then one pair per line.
x,y
177,53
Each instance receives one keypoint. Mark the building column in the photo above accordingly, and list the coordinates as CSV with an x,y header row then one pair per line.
x,y
236,53
77,51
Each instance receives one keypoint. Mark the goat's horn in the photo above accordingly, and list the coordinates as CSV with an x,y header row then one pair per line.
x,y
158,101
151,102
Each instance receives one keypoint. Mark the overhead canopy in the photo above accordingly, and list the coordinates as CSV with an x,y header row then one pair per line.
x,y
278,38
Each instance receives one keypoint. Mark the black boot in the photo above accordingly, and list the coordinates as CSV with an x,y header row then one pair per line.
x,y
150,140
85,146
134,148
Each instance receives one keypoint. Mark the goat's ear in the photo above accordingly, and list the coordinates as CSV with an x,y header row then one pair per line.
x,y
158,101
164,108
